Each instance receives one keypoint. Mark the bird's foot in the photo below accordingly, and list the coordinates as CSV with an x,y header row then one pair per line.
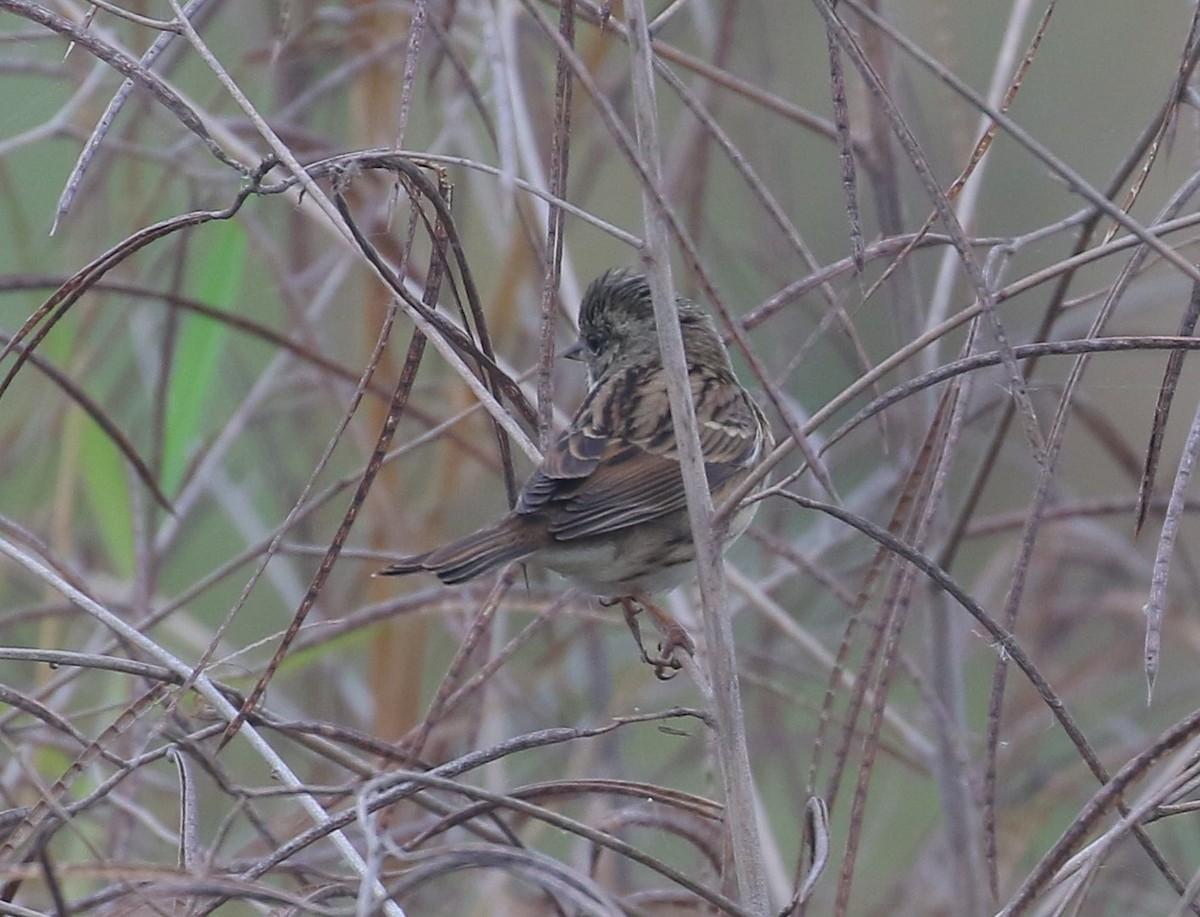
x,y
674,636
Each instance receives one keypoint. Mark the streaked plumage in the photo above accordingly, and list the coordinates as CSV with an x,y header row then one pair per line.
x,y
606,508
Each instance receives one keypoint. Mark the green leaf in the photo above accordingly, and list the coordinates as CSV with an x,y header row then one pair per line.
x,y
214,277
107,489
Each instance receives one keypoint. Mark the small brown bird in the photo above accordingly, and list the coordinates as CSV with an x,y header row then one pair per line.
x,y
606,508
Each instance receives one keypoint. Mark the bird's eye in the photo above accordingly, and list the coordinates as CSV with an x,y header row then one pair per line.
x,y
595,343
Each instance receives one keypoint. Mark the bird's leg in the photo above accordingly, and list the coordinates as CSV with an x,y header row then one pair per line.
x,y
674,636
631,608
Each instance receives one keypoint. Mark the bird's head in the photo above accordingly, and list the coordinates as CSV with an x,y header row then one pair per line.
x,y
617,329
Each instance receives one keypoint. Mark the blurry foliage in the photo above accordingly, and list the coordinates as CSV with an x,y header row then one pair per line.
x,y
224,355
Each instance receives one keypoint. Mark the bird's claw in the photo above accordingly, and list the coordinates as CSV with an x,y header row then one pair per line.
x,y
675,637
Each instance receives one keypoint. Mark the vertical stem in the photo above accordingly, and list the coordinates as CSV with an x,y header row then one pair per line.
x,y
718,631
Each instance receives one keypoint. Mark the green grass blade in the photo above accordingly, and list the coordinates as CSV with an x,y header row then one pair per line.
x,y
107,489
215,276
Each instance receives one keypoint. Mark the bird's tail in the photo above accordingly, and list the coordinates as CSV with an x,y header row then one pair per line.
x,y
468,557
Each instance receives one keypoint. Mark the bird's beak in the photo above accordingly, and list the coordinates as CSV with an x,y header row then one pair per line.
x,y
574,352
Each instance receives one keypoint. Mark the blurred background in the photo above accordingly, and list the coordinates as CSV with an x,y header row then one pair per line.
x,y
191,393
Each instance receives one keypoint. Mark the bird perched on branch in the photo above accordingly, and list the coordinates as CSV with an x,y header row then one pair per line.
x,y
606,508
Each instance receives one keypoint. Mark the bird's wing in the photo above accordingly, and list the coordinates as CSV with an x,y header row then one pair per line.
x,y
617,464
